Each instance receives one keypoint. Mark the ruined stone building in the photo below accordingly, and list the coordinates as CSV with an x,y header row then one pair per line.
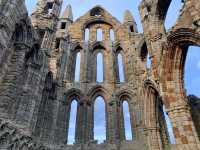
x,y
38,81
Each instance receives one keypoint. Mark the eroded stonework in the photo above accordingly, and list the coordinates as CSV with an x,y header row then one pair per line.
x,y
37,77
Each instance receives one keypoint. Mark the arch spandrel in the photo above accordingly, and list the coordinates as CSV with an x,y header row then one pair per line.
x,y
71,94
99,90
98,45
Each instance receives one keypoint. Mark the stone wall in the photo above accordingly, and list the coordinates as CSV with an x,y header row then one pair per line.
x,y
37,72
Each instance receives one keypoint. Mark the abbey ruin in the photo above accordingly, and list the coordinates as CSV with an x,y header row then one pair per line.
x,y
37,77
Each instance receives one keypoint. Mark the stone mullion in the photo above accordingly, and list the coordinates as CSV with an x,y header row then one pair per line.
x,y
89,121
121,121
81,123
108,67
133,111
86,63
67,120
78,124
92,122
93,66
116,68
83,65
183,126
84,123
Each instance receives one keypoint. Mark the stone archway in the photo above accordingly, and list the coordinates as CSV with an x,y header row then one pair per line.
x,y
172,84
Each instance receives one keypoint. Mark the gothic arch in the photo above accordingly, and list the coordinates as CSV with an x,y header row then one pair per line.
x,y
120,76
152,111
74,50
126,96
95,49
174,62
151,83
68,98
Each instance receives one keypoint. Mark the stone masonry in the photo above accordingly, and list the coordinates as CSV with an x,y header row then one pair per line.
x,y
37,77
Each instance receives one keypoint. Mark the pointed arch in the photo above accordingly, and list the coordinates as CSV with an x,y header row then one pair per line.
x,y
99,67
154,114
120,67
72,122
119,64
127,120
77,67
126,115
74,64
99,119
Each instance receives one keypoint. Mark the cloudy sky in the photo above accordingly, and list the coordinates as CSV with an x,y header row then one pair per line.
x,y
116,8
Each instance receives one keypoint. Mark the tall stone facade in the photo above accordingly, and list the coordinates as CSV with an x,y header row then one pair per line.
x,y
37,77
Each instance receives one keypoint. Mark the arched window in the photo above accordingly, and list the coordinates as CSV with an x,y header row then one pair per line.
x,y
99,67
87,34
172,138
99,34
127,121
148,63
120,68
72,122
112,35
99,120
77,67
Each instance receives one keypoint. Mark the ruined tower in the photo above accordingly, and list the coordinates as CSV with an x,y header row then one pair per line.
x,y
39,82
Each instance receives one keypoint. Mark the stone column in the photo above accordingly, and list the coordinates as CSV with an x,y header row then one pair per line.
x,y
183,126
111,122
120,115
89,122
81,123
151,121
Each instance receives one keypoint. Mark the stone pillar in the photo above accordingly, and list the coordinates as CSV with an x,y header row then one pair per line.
x,y
151,120
81,123
112,122
183,126
120,116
